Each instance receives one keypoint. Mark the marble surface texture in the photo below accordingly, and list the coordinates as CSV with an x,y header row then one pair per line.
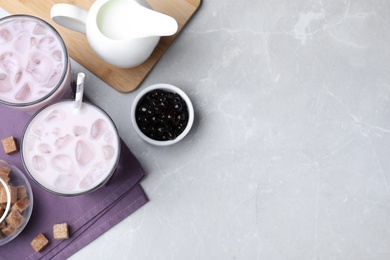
x,y
289,154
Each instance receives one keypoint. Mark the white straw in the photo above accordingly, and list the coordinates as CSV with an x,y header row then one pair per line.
x,y
79,90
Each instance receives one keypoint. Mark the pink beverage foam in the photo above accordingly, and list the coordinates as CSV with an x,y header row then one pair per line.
x,y
33,62
70,151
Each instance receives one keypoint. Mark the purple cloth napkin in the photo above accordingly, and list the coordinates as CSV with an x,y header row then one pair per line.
x,y
88,216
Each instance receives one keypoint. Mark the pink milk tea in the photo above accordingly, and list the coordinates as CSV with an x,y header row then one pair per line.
x,y
34,63
70,151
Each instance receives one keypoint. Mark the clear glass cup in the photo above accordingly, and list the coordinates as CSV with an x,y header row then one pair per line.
x,y
35,68
69,151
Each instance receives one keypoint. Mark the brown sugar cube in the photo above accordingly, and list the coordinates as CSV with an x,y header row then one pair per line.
x,y
13,192
9,145
3,195
8,230
61,231
4,177
15,219
21,205
5,170
39,242
2,224
21,192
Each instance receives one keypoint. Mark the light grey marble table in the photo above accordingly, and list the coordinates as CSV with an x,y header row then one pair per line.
x,y
289,156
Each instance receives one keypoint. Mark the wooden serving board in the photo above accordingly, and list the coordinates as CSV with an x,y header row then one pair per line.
x,y
123,80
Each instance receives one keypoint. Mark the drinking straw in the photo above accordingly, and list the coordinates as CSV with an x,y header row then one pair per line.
x,y
79,90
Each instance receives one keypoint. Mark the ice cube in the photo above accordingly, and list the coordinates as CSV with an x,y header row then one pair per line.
x,y
23,42
63,141
96,172
98,128
33,40
55,77
9,62
108,152
24,93
38,163
5,83
5,36
46,43
56,115
39,29
66,182
84,153
30,142
18,77
21,25
62,163
40,67
44,148
57,55
108,136
43,93
56,131
38,129
79,130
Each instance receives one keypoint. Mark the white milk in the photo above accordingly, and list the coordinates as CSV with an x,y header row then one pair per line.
x,y
34,62
70,151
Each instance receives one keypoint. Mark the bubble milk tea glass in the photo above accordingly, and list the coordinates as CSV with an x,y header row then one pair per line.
x,y
34,63
70,151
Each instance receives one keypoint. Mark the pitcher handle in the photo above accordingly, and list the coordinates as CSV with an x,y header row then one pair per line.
x,y
69,16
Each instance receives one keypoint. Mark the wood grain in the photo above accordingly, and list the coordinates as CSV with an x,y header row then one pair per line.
x,y
123,80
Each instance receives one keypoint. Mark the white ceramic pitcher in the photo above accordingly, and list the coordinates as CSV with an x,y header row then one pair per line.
x,y
123,33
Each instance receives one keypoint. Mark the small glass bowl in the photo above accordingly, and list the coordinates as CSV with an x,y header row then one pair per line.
x,y
17,178
168,88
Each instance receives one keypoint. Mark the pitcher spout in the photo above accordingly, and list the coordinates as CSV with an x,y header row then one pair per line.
x,y
164,25
128,19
